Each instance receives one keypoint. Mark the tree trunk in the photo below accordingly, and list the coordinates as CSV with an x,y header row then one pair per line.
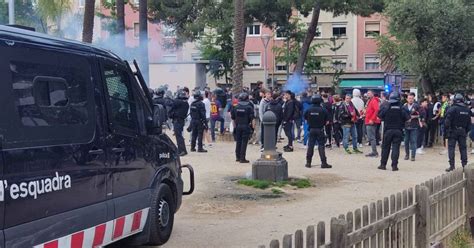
x,y
120,7
426,85
239,44
88,25
143,20
313,25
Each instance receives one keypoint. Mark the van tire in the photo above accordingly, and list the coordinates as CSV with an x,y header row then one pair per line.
x,y
161,217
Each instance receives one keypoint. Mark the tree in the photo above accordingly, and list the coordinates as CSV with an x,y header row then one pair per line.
x,y
295,32
143,27
88,26
52,11
239,46
120,6
25,14
190,18
337,7
433,39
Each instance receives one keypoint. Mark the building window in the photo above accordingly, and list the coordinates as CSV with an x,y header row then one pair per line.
x,y
170,58
136,30
168,31
339,63
196,56
280,67
339,30
319,34
253,30
280,33
372,62
372,29
81,3
254,60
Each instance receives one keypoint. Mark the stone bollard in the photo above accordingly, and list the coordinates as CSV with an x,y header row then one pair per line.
x,y
271,166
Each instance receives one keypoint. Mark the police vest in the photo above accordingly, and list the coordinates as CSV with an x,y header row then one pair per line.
x,y
316,117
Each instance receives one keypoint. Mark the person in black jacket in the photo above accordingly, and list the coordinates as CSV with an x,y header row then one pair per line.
x,y
276,107
198,122
243,117
457,124
328,106
348,116
289,109
298,116
317,118
178,114
394,119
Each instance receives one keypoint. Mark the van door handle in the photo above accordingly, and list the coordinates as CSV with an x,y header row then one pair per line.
x,y
96,152
118,150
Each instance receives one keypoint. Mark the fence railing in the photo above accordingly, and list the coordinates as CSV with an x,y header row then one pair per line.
x,y
422,217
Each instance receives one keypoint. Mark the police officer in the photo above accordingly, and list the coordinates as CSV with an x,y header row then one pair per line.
x,y
160,96
178,114
317,117
457,124
394,119
243,120
198,121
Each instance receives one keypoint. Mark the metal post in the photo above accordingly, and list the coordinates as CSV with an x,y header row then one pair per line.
x,y
287,58
11,12
265,40
271,166
265,65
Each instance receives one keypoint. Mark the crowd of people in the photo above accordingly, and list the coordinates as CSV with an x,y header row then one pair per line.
x,y
350,120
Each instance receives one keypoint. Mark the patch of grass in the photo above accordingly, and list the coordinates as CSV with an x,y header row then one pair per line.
x,y
301,183
277,191
263,184
462,239
258,184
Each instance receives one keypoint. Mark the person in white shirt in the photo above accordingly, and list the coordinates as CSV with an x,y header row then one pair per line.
x,y
207,104
359,105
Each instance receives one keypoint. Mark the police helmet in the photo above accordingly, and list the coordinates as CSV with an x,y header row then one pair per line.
x,y
160,92
197,94
458,98
316,99
394,97
181,95
244,96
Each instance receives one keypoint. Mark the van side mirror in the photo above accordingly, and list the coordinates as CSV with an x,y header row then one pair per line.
x,y
159,118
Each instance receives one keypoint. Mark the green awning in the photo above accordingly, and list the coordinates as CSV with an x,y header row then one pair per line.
x,y
362,83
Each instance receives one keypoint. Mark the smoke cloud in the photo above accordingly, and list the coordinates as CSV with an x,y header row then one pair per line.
x,y
297,84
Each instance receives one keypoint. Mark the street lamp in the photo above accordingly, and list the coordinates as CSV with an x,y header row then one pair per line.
x,y
11,12
265,40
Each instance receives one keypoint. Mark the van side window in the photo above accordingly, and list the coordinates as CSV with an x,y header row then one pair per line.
x,y
122,104
49,95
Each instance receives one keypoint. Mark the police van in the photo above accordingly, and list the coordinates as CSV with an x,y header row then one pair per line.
x,y
83,159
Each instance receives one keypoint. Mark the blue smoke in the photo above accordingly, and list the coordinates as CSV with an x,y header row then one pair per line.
x,y
296,84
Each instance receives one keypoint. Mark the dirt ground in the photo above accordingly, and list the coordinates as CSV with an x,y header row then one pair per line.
x,y
222,213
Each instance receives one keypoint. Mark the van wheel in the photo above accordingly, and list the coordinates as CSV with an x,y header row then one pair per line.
x,y
161,216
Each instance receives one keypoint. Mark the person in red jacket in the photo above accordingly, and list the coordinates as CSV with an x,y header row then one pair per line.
x,y
372,121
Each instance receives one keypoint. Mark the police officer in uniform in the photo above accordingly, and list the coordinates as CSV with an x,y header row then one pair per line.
x,y
198,122
178,114
243,117
457,124
394,119
317,117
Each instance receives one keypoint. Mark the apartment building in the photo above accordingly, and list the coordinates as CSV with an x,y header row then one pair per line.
x,y
182,66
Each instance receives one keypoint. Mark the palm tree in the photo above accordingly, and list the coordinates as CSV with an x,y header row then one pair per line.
x,y
239,45
88,26
143,27
313,25
52,11
120,7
